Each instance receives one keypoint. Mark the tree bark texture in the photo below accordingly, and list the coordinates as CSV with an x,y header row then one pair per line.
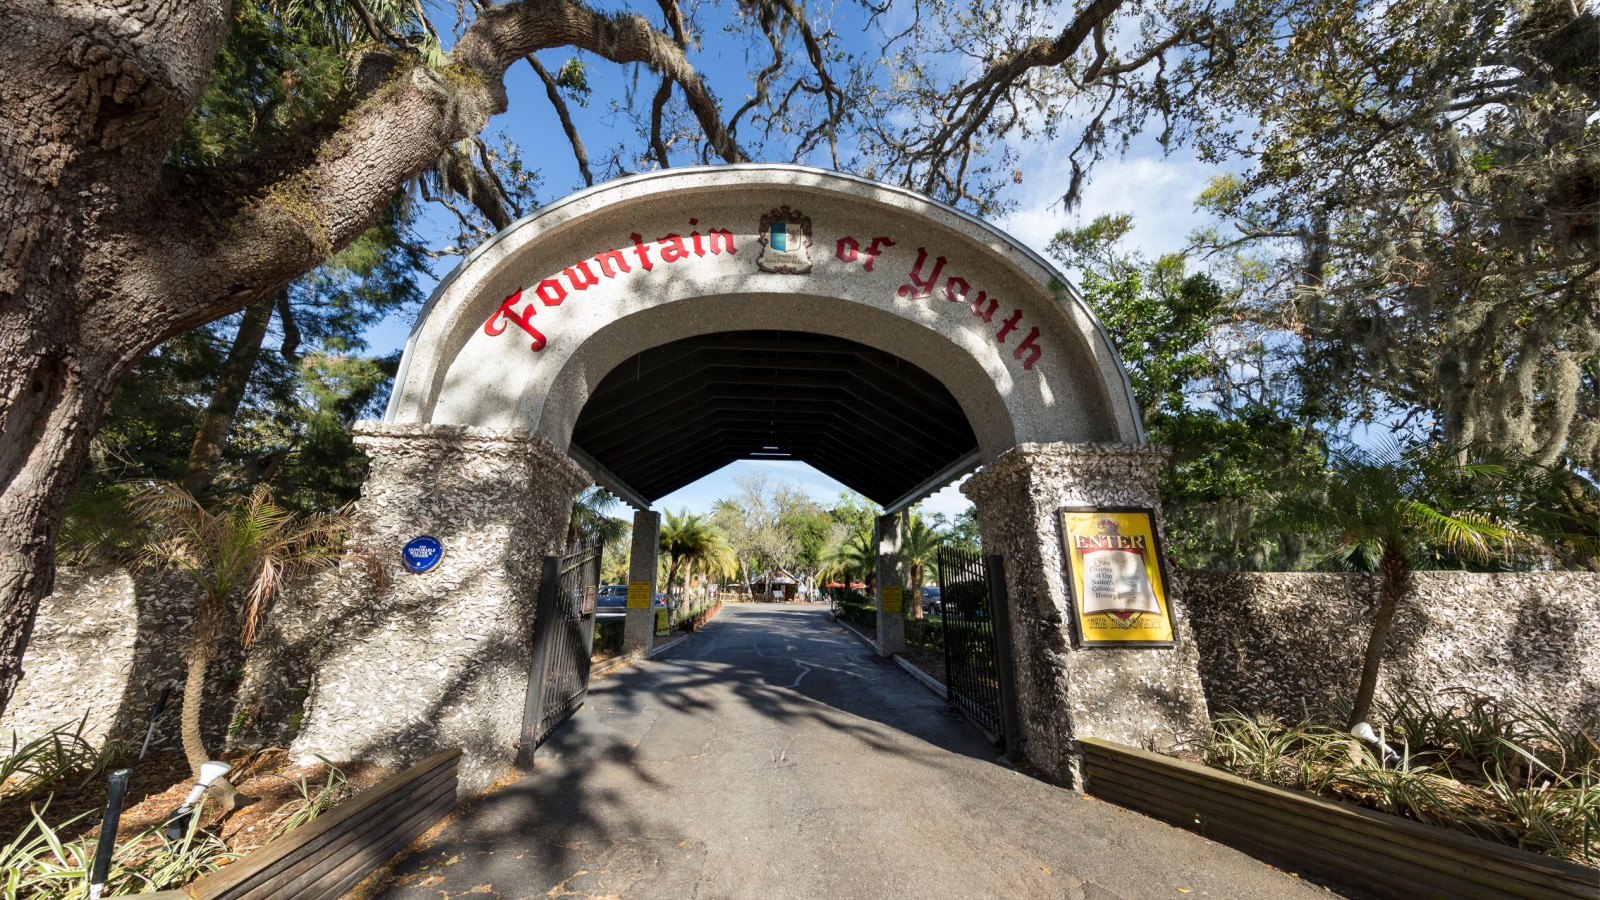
x,y
194,685
206,455
1394,583
208,628
105,253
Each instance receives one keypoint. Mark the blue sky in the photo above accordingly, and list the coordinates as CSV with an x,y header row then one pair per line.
x,y
1158,190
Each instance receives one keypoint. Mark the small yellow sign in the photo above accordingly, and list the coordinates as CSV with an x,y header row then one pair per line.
x,y
638,595
662,625
892,594
1117,576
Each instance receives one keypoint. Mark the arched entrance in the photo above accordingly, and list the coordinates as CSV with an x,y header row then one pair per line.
x,y
646,332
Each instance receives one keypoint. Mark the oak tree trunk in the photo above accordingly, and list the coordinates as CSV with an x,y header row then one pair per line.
x,y
105,251
205,456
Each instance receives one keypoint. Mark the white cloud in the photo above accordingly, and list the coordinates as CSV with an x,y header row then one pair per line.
x,y
1158,190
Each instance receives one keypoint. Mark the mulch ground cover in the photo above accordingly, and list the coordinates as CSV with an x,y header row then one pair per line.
x,y
931,662
158,784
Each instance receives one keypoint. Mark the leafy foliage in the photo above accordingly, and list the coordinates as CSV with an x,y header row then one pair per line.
x,y
60,756
1508,773
1387,506
1423,208
40,865
248,544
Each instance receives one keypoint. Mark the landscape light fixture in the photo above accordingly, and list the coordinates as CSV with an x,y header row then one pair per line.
x,y
178,822
108,833
155,714
1363,730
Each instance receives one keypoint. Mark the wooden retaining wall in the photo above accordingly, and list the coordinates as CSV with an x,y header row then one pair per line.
x,y
326,857
1384,855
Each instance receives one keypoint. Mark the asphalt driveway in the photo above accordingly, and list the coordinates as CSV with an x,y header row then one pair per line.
x,y
774,756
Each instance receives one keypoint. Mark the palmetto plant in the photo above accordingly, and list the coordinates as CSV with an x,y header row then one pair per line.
x,y
591,519
1390,503
240,553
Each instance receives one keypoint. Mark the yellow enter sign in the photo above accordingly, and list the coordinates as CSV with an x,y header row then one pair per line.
x,y
892,594
638,595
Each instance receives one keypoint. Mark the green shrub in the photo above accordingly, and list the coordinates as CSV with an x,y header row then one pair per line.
x,y
861,615
60,756
927,633
1508,772
608,636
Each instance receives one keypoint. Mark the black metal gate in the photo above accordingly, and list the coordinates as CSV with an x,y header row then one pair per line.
x,y
977,642
563,639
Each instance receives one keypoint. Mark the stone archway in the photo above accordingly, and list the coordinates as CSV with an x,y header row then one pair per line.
x,y
477,444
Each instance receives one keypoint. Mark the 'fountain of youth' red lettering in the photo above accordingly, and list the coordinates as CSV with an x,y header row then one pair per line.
x,y
672,248
612,263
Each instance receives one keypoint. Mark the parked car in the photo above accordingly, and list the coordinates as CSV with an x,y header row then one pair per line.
x,y
930,600
612,601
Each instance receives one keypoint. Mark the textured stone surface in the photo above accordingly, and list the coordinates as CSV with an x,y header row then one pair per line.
x,y
425,662
105,644
1285,643
891,572
1144,697
80,657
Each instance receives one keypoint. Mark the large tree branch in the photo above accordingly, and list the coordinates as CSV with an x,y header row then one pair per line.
x,y
391,137
552,90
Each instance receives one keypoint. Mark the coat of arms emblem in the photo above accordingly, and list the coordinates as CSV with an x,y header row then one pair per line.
x,y
785,242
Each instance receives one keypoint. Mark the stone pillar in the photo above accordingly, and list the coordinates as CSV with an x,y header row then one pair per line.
x,y
402,664
891,574
1142,697
638,634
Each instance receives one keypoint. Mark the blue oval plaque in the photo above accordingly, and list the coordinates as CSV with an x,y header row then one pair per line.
x,y
422,553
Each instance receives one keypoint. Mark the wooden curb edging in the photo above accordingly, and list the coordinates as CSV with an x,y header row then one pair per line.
x,y
325,858
1382,854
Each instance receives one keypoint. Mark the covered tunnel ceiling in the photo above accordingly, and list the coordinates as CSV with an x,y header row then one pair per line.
x,y
678,412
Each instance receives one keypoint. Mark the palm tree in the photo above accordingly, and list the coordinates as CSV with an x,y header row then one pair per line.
x,y
239,554
590,517
919,550
1386,505
689,536
858,553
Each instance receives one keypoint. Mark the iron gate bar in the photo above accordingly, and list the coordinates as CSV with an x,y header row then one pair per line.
x,y
972,676
1000,601
563,641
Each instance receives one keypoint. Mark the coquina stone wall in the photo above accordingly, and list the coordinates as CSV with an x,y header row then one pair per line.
x,y
104,645
1288,643
1145,697
403,665
364,662
372,662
